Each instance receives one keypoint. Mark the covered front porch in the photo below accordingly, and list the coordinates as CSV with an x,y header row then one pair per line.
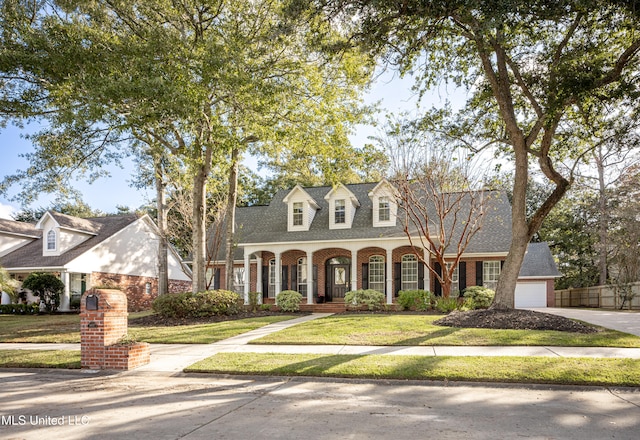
x,y
75,284
323,272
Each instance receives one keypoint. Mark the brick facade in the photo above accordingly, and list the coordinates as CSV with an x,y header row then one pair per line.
x,y
320,258
140,291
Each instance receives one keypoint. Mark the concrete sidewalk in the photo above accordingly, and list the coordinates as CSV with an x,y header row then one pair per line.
x,y
171,359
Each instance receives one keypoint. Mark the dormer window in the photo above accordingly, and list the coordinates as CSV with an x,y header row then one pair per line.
x,y
384,205
342,207
301,209
51,240
340,211
384,209
298,214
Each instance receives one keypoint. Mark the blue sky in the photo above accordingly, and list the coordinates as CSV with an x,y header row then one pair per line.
x,y
104,194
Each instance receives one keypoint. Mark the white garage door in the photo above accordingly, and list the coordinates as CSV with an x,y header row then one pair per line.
x,y
531,295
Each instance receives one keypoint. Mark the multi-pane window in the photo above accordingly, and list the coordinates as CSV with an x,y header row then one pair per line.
x,y
339,211
455,280
51,240
297,213
272,278
490,274
376,273
409,272
238,280
302,275
384,210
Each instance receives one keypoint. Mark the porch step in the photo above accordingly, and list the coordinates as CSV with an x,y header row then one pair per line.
x,y
335,307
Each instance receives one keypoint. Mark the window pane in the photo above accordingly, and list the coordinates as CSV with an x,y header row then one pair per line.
x,y
302,275
409,272
272,278
376,273
383,209
455,280
238,279
297,214
490,274
51,240
340,211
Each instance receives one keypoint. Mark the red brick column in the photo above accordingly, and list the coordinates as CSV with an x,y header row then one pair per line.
x,y
103,323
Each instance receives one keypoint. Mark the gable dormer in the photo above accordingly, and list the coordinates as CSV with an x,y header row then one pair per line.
x,y
342,207
62,232
385,206
301,209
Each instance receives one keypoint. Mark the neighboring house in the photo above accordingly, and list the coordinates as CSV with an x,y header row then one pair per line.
x,y
120,250
326,241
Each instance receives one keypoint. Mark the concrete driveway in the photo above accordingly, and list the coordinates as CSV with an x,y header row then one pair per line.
x,y
73,405
628,322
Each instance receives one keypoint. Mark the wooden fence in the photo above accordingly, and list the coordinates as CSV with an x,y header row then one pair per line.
x,y
606,297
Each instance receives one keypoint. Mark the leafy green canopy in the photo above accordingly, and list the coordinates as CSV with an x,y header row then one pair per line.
x,y
535,72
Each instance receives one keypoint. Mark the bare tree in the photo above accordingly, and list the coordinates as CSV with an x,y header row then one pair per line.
x,y
441,194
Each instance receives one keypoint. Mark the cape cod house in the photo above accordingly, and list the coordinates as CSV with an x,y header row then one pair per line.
x,y
325,241
120,250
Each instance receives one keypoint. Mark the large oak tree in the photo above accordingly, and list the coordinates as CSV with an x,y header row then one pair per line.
x,y
532,71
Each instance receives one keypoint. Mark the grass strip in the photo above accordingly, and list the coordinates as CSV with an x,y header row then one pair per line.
x,y
201,333
66,329
40,358
419,330
565,371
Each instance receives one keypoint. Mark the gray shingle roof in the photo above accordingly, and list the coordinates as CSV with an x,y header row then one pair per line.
x,y
30,255
79,224
538,262
19,228
268,224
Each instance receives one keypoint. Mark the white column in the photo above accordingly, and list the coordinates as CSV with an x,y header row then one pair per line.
x,y
309,277
259,287
247,276
278,273
65,299
354,270
389,273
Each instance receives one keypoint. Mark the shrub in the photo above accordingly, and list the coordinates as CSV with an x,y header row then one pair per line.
x,y
414,300
289,300
448,305
254,298
197,305
479,297
47,287
265,307
20,309
373,299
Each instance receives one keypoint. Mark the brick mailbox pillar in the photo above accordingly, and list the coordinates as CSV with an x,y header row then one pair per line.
x,y
103,324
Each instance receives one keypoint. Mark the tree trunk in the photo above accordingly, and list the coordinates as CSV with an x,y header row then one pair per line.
x,y
603,221
199,220
231,218
506,287
163,246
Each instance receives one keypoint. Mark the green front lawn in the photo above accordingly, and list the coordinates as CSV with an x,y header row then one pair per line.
x,y
40,328
40,358
202,333
566,371
419,330
66,328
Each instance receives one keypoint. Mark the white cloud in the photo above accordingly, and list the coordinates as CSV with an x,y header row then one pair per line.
x,y
6,211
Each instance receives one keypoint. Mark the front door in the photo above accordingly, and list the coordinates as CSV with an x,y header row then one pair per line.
x,y
339,284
